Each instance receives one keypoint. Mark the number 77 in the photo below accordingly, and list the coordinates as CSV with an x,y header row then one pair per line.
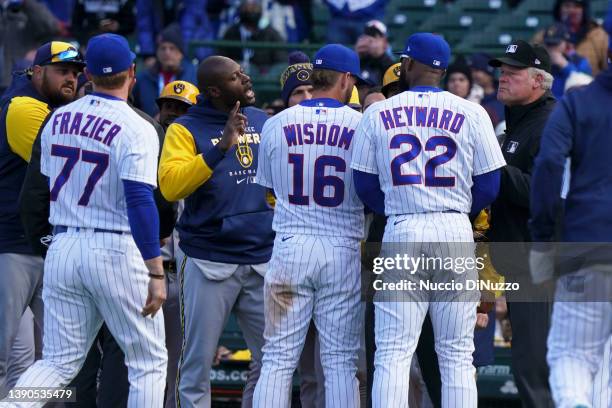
x,y
71,154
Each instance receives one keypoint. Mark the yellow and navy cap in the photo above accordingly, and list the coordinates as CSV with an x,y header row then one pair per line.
x,y
354,101
56,52
181,91
392,74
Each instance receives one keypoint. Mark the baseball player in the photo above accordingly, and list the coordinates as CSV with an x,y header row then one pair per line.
x,y
314,272
100,158
174,100
427,159
581,325
49,83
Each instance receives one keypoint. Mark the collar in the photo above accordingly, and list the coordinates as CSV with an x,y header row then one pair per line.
x,y
322,103
515,114
425,89
106,96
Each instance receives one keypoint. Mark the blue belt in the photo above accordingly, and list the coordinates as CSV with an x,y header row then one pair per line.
x,y
62,228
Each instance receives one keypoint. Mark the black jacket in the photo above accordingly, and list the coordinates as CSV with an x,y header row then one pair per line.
x,y
510,211
34,198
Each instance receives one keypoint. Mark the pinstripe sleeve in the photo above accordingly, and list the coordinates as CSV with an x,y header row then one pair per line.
x,y
264,159
487,153
137,156
364,150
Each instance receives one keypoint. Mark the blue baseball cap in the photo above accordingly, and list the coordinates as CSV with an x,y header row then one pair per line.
x,y
108,54
337,57
428,49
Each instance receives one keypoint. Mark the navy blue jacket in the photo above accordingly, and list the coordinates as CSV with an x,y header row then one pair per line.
x,y
227,219
580,128
147,88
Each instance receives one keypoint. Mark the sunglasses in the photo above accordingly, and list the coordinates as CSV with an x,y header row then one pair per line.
x,y
64,56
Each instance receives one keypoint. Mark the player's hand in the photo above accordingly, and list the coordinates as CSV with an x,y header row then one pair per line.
x,y
234,127
482,321
157,293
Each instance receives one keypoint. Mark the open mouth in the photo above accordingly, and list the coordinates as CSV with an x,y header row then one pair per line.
x,y
250,93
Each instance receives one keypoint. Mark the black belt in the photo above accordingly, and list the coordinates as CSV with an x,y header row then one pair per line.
x,y
58,229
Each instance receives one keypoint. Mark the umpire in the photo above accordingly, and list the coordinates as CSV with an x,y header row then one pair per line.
x,y
225,229
524,88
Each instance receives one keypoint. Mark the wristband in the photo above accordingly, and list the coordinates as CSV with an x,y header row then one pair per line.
x,y
155,276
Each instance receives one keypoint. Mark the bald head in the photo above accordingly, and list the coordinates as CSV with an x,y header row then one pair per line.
x,y
213,69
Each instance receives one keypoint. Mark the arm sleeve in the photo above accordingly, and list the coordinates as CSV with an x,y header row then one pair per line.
x,y
181,169
368,190
143,217
264,159
137,155
487,153
548,172
363,154
484,191
34,202
24,119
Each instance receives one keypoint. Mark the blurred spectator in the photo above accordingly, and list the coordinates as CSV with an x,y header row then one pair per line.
x,y
587,37
195,25
287,17
459,78
349,16
564,59
248,29
170,66
483,75
372,48
62,9
92,17
577,80
24,25
151,17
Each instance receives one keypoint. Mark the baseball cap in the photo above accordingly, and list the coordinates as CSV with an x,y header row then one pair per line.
x,y
181,91
55,52
523,55
480,62
337,57
108,54
428,49
375,28
392,74
555,34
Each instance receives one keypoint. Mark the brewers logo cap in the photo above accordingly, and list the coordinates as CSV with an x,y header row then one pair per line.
x,y
182,91
521,54
56,52
108,54
428,49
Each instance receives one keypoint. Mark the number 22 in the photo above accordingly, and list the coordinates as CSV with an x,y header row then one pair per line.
x,y
431,180
71,154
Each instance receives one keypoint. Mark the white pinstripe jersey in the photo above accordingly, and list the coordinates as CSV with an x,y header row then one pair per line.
x,y
425,145
87,148
304,157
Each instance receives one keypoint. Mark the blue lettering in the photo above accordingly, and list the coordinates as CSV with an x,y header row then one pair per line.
x,y
457,123
397,118
432,121
334,132
346,138
421,116
386,118
289,134
446,118
76,123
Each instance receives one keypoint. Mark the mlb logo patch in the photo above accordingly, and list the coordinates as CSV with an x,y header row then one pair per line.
x,y
318,62
511,49
436,63
537,61
321,111
94,102
107,70
512,146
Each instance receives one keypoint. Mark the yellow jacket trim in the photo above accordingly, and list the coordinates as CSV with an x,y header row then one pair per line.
x,y
24,118
181,169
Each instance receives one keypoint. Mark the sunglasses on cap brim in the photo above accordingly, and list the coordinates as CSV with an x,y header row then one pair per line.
x,y
64,56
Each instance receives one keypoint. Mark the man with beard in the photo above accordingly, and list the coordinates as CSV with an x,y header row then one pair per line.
x,y
49,83
225,230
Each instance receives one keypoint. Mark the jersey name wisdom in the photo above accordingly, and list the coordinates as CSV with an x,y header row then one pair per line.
x,y
422,116
307,133
90,126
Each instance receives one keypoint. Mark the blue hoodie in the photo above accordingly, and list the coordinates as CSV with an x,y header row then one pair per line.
x,y
579,128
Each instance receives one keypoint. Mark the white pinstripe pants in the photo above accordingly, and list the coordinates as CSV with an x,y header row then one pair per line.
x,y
580,338
399,316
90,278
311,278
